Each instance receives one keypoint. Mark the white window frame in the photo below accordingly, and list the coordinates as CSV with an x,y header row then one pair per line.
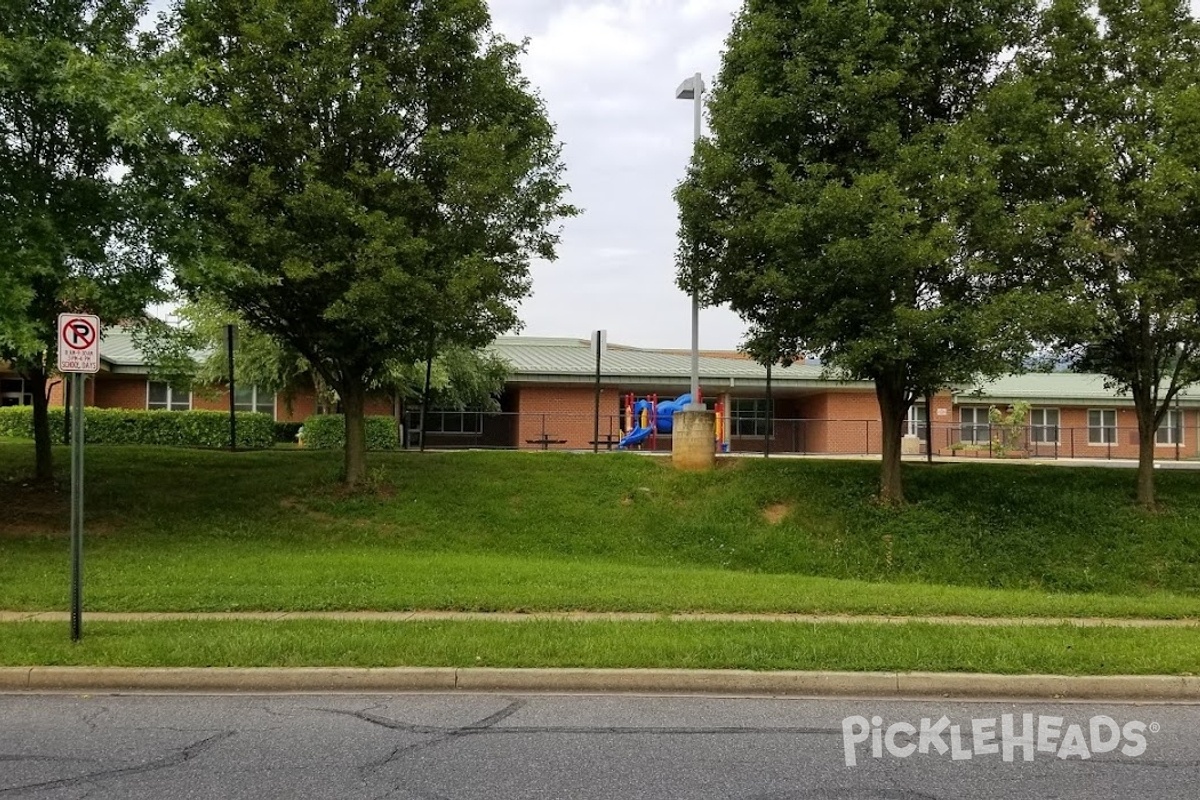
x,y
1108,433
918,422
24,397
171,401
757,417
258,400
980,432
1171,424
1044,432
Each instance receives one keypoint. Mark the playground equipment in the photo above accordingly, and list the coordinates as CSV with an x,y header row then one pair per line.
x,y
647,417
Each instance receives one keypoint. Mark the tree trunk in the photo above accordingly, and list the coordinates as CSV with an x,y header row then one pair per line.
x,y
892,411
354,403
1145,476
43,456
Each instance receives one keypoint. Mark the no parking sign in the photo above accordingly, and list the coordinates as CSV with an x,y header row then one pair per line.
x,y
78,352
78,343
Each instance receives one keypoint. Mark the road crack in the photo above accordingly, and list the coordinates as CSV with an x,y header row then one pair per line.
x,y
175,759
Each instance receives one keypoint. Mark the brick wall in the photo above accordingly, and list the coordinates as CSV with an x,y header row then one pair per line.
x,y
845,421
210,399
56,386
296,407
301,404
119,391
380,405
1074,436
833,422
565,413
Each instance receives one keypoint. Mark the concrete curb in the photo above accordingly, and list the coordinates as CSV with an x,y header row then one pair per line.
x,y
647,681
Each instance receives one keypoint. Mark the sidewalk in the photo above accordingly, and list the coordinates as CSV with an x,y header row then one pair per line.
x,y
593,616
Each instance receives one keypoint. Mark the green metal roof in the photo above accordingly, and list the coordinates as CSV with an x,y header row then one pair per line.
x,y
543,359
120,354
1043,388
118,349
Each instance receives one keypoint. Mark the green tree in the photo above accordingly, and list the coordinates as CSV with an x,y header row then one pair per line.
x,y
195,352
458,378
84,200
831,205
375,175
1099,131
259,360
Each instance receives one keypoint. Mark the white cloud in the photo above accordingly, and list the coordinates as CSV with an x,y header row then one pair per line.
x,y
706,9
608,71
591,38
616,253
704,52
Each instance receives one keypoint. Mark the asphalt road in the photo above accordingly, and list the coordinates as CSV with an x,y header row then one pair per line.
x,y
555,747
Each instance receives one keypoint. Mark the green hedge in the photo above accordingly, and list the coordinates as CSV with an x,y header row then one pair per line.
x,y
328,431
122,426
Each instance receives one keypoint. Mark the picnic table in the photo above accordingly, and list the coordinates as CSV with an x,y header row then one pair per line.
x,y
545,440
608,440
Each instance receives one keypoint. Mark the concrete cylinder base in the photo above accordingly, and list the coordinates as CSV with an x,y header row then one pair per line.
x,y
692,440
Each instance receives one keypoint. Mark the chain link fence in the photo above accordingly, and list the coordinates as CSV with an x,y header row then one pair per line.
x,y
581,431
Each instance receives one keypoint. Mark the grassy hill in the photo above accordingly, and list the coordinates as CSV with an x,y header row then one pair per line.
x,y
195,530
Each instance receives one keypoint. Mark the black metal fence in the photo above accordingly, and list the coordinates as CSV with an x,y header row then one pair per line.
x,y
575,432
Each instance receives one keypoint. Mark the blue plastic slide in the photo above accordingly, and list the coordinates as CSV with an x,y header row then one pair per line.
x,y
635,436
665,411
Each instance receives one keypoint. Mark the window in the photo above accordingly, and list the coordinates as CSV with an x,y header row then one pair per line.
x,y
160,395
974,426
12,393
250,398
918,422
445,420
1170,430
748,417
1102,426
1043,425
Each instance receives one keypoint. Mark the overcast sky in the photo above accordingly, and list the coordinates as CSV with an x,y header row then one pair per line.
x,y
608,70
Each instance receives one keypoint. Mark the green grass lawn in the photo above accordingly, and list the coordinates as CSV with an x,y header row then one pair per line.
x,y
177,530
694,645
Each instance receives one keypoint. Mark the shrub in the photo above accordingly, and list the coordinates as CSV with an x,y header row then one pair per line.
x,y
328,432
17,421
122,426
1008,429
286,431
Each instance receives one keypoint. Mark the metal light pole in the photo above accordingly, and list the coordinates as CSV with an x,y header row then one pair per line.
x,y
229,344
693,89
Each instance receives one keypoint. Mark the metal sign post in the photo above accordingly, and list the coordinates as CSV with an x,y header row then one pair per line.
x,y
232,390
78,355
599,344
77,508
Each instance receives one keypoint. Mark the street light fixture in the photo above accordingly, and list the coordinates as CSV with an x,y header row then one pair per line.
x,y
693,89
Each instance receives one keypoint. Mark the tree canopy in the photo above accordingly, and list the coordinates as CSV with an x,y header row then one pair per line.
x,y
84,178
195,352
374,177
1098,127
832,205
